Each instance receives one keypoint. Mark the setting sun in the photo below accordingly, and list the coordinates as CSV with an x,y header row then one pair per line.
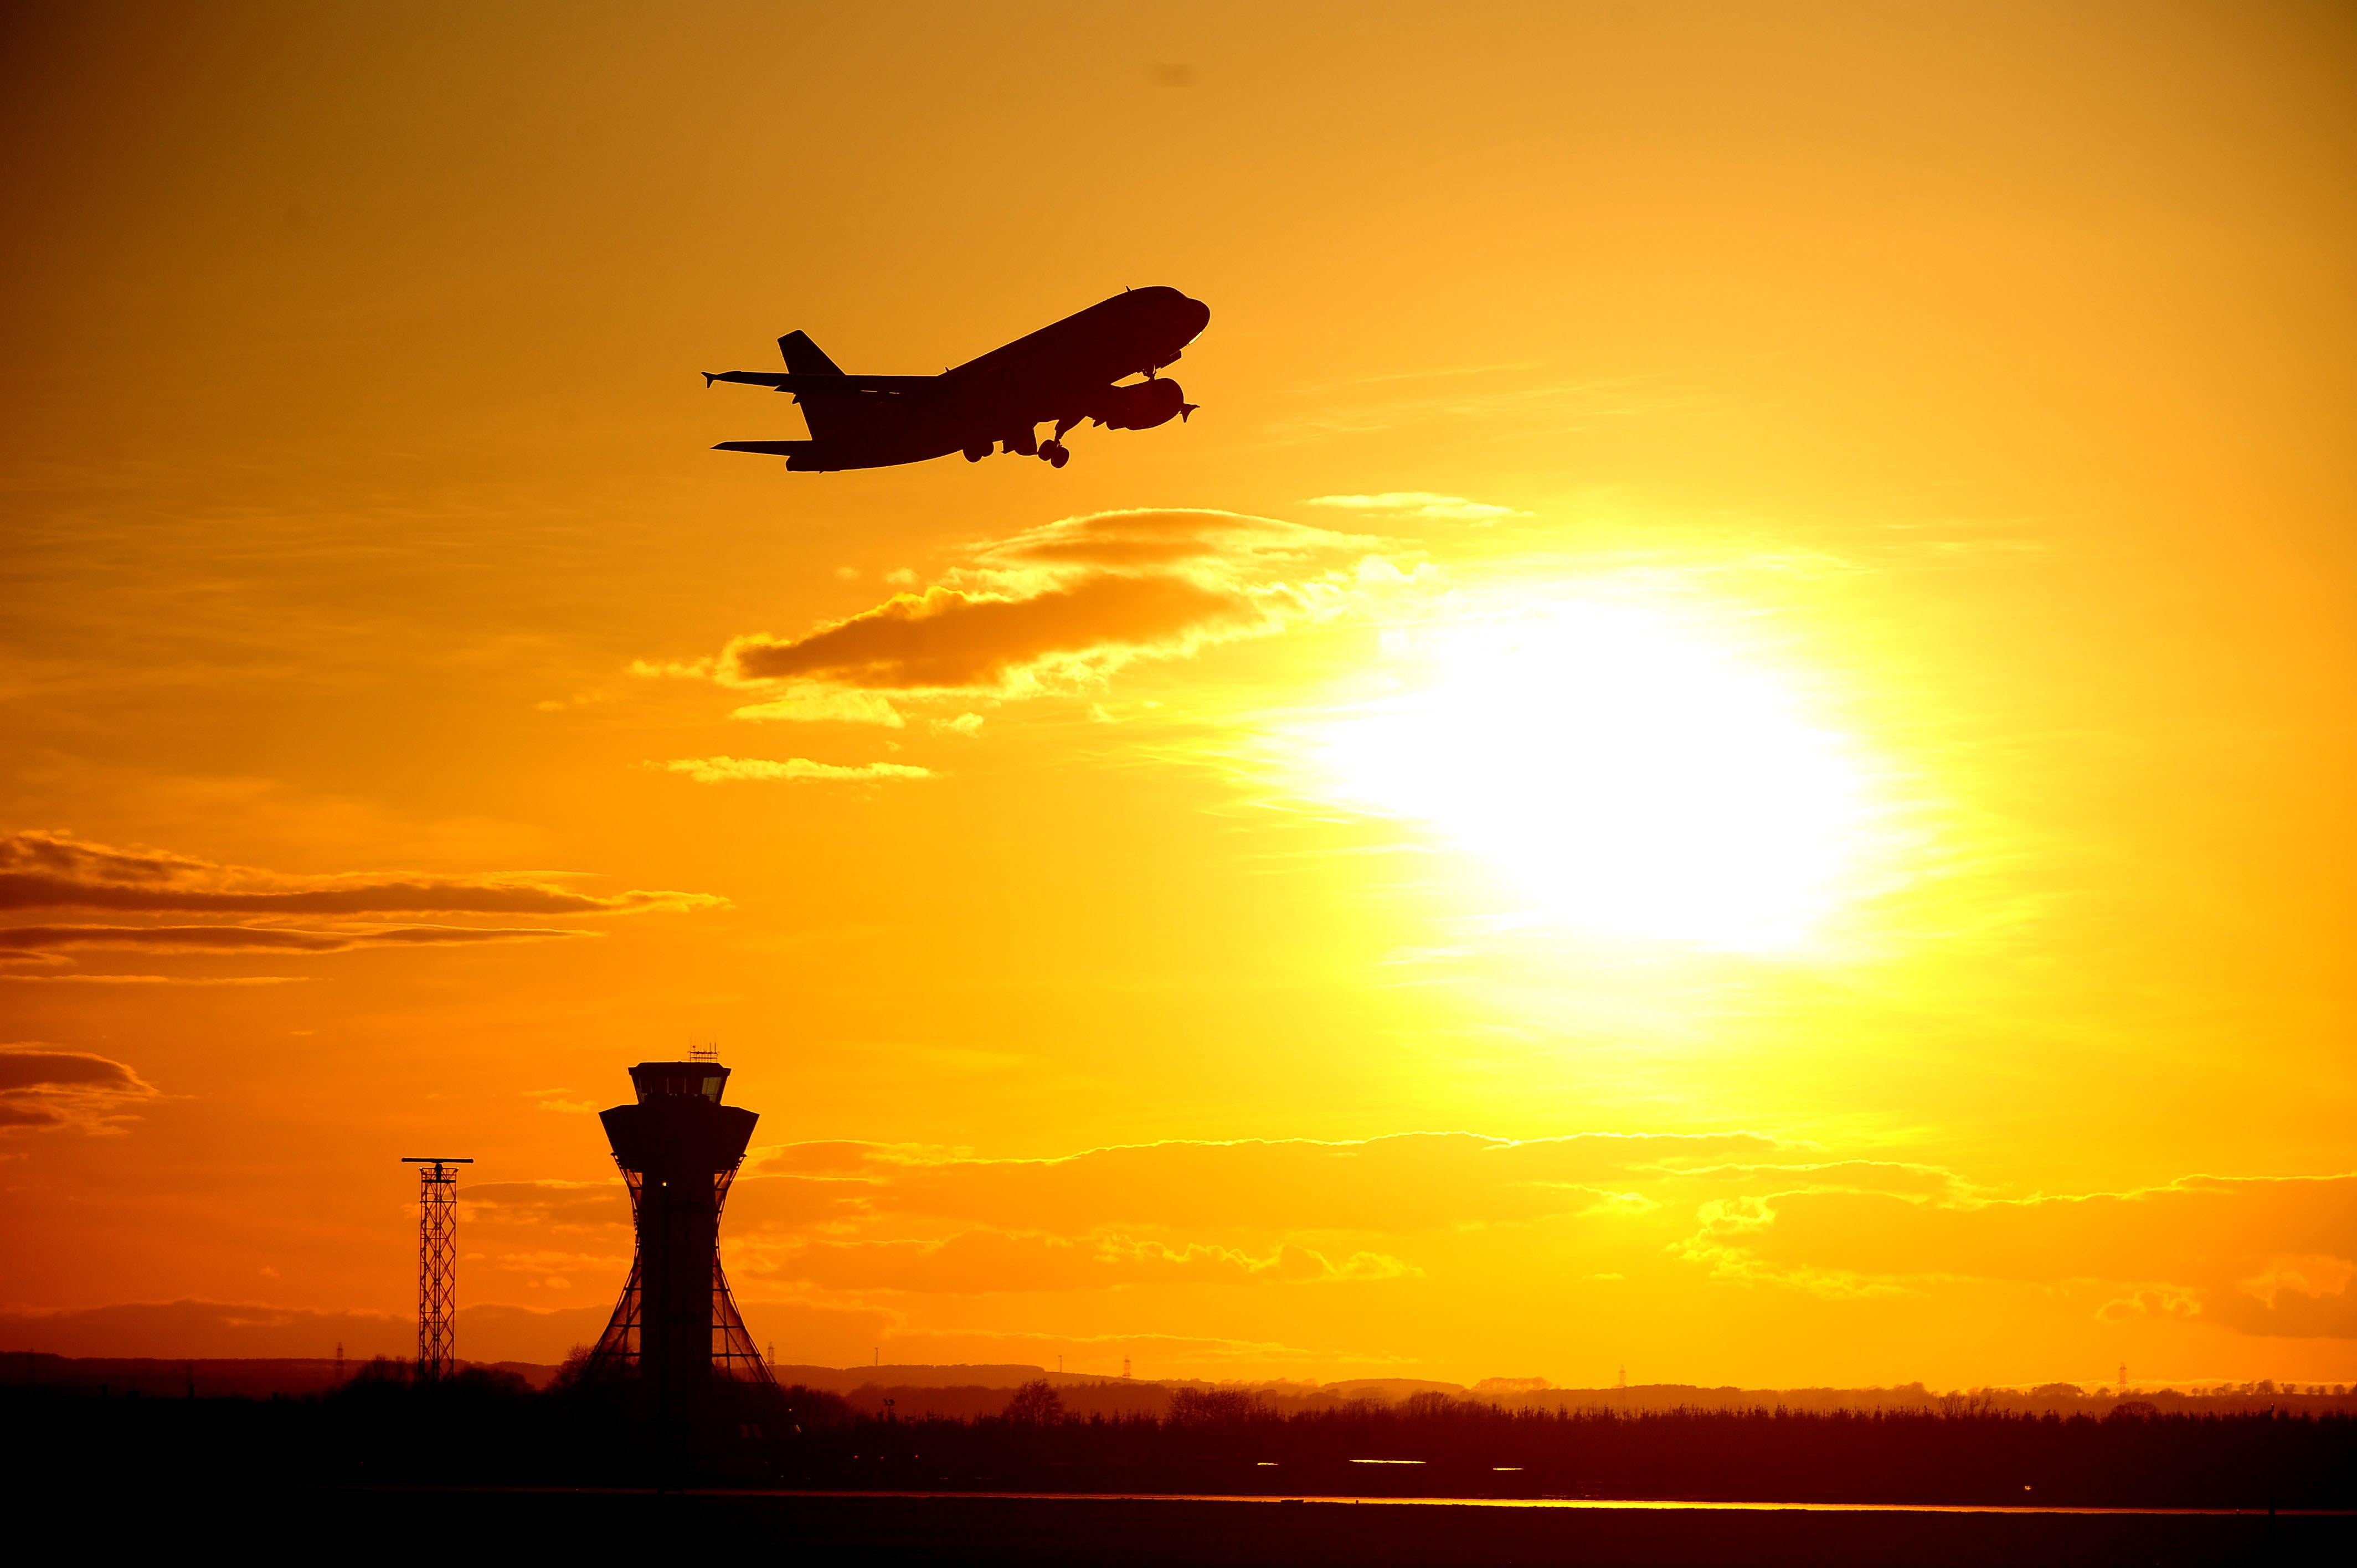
x,y
1631,774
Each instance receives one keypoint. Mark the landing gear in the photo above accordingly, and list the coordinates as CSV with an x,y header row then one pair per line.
x,y
1057,454
976,453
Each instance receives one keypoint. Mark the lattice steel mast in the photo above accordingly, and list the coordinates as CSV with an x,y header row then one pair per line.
x,y
438,1262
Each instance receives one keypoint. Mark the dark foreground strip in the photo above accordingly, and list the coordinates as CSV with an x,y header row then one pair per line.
x,y
371,1524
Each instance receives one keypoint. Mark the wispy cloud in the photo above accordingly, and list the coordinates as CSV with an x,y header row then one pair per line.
x,y
42,870
202,1329
1419,504
988,1261
732,769
43,1089
40,939
826,705
77,979
1218,546
53,871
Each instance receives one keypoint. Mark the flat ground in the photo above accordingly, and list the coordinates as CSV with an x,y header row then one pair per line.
x,y
378,1524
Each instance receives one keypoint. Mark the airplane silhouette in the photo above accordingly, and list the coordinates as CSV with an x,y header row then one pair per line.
x,y
1067,372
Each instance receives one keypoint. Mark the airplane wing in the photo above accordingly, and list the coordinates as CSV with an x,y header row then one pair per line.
x,y
820,456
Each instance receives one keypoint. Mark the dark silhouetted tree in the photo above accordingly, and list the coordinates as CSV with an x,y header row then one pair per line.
x,y
1036,1403
1212,1407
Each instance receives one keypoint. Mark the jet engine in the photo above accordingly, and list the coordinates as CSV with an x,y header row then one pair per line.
x,y
1143,406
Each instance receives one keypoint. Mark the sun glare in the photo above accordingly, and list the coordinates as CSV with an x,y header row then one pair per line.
x,y
1632,774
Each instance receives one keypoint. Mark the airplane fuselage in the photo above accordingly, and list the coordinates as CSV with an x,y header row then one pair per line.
x,y
1066,372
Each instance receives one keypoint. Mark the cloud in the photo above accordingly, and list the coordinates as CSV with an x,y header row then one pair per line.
x,y
2262,1256
1229,544
37,1066
990,1261
193,1328
826,705
1066,603
1419,503
23,979
2158,1302
555,1234
34,940
2301,1295
2311,1273
43,1089
562,1204
568,704
1342,1249
2099,1235
53,871
2250,1256
947,638
1395,1186
730,769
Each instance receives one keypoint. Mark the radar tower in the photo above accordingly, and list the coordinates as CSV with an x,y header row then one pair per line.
x,y
438,1263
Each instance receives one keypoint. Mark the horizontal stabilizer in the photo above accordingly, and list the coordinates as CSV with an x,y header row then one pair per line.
x,y
805,385
769,449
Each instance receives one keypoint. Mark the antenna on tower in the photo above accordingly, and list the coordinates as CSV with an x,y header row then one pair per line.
x,y
438,1262
707,1052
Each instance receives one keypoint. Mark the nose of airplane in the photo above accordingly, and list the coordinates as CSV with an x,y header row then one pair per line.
x,y
1196,315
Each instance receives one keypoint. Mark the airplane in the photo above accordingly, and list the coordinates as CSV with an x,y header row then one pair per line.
x,y
1076,370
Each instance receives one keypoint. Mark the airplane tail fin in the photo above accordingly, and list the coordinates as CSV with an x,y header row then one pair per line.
x,y
804,358
827,416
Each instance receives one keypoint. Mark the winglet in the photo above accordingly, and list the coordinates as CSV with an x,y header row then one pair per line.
x,y
1187,408
709,376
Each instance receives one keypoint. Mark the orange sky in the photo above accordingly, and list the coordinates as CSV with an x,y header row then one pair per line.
x,y
1726,748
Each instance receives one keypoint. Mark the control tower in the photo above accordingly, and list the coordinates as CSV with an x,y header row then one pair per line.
x,y
676,1326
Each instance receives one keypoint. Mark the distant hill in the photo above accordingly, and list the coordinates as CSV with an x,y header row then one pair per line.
x,y
842,1379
